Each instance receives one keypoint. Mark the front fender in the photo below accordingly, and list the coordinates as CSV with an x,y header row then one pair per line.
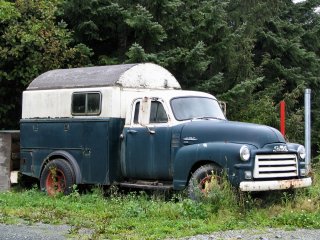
x,y
223,154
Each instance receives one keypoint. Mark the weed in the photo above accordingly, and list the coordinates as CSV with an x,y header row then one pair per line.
x,y
74,193
218,192
74,230
134,209
192,209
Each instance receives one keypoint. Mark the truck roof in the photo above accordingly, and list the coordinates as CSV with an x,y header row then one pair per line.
x,y
139,75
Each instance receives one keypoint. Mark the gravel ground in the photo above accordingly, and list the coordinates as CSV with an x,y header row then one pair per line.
x,y
41,231
265,234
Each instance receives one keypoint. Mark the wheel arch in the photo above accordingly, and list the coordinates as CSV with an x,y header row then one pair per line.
x,y
191,157
69,159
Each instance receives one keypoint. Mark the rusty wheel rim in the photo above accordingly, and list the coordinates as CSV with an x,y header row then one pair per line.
x,y
204,184
55,182
208,182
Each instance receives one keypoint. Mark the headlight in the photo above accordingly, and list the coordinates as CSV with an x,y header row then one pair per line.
x,y
302,152
244,153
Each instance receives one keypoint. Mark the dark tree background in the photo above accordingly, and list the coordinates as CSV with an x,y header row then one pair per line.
x,y
250,53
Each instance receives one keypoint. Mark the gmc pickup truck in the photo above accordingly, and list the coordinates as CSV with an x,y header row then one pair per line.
x,y
132,125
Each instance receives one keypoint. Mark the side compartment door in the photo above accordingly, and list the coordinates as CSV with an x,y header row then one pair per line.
x,y
147,146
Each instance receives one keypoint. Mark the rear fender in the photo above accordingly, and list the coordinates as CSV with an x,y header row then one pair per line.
x,y
69,158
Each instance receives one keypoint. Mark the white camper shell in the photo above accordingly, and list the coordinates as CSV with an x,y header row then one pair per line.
x,y
50,94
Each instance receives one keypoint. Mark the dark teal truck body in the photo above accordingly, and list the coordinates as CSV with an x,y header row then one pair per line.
x,y
140,136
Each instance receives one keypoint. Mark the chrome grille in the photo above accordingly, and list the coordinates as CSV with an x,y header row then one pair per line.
x,y
275,166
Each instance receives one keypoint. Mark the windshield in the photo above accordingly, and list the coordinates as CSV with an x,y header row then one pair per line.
x,y
185,108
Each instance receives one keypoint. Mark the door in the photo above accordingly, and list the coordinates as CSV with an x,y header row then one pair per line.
x,y
147,150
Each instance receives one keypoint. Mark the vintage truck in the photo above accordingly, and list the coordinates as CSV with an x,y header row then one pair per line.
x,y
131,125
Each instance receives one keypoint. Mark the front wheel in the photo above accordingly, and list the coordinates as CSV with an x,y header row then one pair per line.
x,y
57,177
203,180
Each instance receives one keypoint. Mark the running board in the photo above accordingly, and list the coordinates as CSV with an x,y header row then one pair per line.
x,y
147,185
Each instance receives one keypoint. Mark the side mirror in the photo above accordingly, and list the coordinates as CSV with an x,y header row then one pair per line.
x,y
144,111
223,106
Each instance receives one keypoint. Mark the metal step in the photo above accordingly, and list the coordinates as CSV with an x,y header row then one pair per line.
x,y
151,185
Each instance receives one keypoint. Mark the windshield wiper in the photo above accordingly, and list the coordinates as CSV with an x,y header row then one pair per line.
x,y
207,118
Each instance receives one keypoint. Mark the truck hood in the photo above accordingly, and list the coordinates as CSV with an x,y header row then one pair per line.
x,y
201,131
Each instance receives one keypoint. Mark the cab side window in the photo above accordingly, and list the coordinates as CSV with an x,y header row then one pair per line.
x,y
136,113
157,114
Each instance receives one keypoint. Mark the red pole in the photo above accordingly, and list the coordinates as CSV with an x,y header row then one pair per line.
x,y
283,118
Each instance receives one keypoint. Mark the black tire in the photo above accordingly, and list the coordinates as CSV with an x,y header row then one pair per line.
x,y
201,178
57,177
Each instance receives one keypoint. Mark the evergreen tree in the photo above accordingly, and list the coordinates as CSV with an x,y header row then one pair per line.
x,y
31,42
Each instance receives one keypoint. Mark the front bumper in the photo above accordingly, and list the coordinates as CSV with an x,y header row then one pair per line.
x,y
258,186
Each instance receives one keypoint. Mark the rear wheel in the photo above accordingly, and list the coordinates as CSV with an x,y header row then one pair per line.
x,y
57,177
203,180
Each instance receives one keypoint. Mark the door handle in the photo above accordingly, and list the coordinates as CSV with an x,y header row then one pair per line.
x,y
150,130
131,131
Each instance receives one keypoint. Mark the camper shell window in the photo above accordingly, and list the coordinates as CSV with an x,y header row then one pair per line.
x,y
86,103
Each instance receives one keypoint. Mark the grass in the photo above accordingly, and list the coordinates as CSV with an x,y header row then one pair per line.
x,y
146,216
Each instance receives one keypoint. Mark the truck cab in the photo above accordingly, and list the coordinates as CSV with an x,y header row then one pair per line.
x,y
132,125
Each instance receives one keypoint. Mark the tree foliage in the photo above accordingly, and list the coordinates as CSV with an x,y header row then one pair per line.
x,y
31,42
250,53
